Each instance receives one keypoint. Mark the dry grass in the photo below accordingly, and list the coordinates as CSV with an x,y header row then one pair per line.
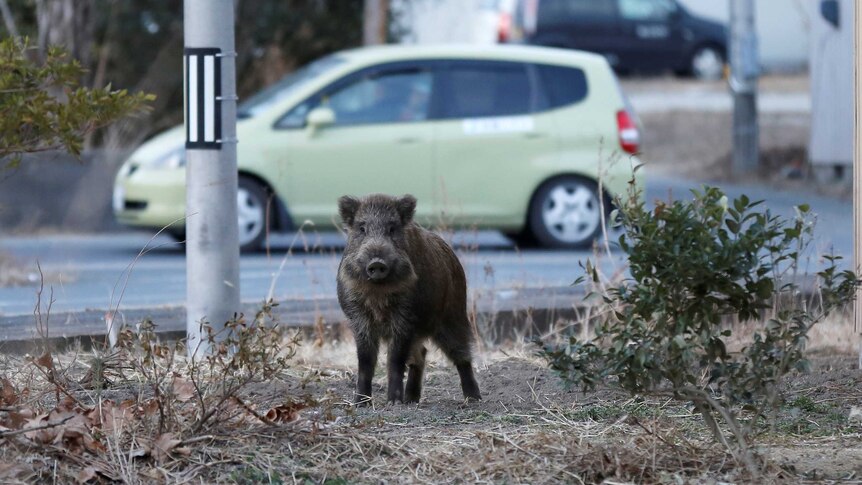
x,y
296,426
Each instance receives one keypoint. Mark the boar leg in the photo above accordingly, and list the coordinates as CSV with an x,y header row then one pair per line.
x,y
456,345
399,352
415,369
366,353
468,381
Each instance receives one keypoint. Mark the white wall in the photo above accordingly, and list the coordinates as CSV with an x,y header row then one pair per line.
x,y
783,27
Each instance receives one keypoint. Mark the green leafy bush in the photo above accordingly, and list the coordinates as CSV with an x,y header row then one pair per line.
x,y
696,266
43,106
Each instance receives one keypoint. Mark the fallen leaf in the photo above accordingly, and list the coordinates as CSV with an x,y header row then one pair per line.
x,y
38,435
8,394
183,389
855,414
45,360
86,474
151,407
15,420
164,446
285,413
66,404
14,472
114,418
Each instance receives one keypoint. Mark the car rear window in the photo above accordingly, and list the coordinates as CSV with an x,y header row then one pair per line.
x,y
483,89
563,86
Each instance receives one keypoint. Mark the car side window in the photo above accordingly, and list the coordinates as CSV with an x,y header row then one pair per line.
x,y
564,11
646,10
388,97
563,86
295,118
484,89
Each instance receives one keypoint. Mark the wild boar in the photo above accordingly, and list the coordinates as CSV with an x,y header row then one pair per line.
x,y
402,284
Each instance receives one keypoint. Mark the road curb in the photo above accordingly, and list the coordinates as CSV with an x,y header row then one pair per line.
x,y
507,313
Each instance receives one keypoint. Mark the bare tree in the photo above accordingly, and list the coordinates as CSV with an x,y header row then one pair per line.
x,y
8,19
68,23
376,22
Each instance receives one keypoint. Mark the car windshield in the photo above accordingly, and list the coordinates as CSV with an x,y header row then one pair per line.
x,y
286,86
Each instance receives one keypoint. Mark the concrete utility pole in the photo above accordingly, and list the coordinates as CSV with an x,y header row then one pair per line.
x,y
744,70
857,170
212,234
376,23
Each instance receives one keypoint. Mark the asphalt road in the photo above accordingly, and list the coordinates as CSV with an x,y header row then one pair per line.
x,y
101,272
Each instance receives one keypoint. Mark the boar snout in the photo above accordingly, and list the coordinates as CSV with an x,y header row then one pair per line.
x,y
377,269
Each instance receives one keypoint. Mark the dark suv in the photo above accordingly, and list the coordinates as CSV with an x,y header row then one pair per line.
x,y
634,35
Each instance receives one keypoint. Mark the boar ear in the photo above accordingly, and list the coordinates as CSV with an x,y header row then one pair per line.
x,y
347,207
406,208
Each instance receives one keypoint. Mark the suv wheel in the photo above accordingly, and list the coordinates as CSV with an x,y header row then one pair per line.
x,y
566,213
707,63
251,200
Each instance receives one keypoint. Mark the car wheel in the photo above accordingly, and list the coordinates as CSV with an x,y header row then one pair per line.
x,y
566,213
251,200
523,239
707,63
177,234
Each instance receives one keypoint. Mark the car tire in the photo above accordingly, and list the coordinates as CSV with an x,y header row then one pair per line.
x,y
565,213
706,63
177,234
252,200
523,239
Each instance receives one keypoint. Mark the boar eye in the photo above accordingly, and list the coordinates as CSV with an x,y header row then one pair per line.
x,y
391,230
362,228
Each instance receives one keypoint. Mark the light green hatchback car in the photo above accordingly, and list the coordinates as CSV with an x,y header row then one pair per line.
x,y
499,137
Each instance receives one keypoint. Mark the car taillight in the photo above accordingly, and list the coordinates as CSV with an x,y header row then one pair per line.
x,y
504,28
630,137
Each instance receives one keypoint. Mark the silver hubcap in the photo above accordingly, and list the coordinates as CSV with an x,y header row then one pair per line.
x,y
250,215
707,64
571,212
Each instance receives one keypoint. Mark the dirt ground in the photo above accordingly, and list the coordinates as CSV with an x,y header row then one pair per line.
x,y
530,416
529,428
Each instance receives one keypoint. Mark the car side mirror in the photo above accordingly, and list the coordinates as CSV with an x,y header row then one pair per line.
x,y
320,117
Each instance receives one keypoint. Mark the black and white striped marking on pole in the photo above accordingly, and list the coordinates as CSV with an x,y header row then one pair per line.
x,y
203,98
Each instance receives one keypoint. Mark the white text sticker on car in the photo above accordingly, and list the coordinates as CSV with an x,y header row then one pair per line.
x,y
488,126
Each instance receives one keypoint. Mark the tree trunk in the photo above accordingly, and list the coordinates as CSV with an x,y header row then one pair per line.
x,y
8,19
67,23
376,24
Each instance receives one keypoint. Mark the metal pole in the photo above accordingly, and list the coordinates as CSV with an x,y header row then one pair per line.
x,y
857,170
744,70
212,236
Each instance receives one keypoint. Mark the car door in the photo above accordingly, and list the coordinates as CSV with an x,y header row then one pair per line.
x,y
487,136
380,142
651,34
589,25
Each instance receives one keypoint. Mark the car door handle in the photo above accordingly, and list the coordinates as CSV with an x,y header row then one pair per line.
x,y
408,140
534,135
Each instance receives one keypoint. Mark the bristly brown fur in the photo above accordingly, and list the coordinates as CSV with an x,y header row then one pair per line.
x,y
421,296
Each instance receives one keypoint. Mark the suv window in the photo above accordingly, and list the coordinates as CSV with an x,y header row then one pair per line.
x,y
482,89
564,11
651,10
562,85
